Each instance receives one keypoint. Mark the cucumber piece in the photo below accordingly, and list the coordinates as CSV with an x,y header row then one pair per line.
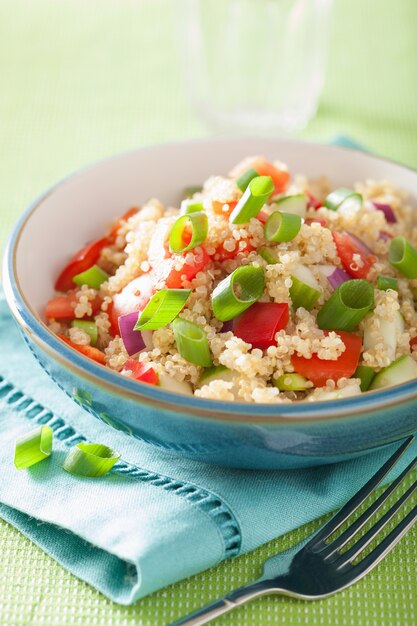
x,y
318,395
216,372
267,255
400,371
291,382
306,276
366,375
170,384
292,204
305,290
388,331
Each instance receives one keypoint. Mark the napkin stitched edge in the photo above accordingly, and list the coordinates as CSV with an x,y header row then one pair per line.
x,y
210,503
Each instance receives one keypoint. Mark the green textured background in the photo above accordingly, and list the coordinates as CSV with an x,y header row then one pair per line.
x,y
80,80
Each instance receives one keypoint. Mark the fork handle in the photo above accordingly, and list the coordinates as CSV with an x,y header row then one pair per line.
x,y
226,604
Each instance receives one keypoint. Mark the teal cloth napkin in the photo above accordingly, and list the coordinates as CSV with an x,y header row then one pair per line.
x,y
156,518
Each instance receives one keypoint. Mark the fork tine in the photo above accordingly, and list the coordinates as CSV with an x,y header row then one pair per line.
x,y
355,502
351,531
360,545
391,540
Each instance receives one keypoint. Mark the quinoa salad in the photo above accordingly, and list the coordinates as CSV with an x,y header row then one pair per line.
x,y
260,287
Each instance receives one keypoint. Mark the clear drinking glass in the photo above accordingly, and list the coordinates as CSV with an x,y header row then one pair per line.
x,y
254,65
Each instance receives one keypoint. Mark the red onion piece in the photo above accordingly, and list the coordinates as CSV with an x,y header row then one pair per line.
x,y
385,236
361,245
227,326
387,211
132,339
338,277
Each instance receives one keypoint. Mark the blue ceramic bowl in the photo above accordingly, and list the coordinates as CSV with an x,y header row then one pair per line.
x,y
234,434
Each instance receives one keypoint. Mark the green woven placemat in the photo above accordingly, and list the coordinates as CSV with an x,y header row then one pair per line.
x,y
81,80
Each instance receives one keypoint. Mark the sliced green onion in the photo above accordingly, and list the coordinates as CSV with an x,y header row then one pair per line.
x,y
33,447
403,256
93,277
88,327
192,342
295,204
198,223
268,256
291,382
237,292
90,459
343,198
366,375
244,180
252,201
162,308
188,192
387,282
190,206
347,306
282,226
303,295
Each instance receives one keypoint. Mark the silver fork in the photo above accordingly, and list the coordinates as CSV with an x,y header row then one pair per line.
x,y
316,567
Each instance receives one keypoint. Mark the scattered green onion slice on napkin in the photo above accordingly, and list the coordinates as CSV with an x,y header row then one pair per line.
x,y
90,459
33,447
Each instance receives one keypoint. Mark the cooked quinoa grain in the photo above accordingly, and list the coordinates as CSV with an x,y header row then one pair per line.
x,y
297,339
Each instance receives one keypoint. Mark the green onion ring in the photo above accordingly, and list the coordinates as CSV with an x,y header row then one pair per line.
x,y
243,181
282,226
33,447
227,303
88,327
338,199
192,343
347,306
199,227
252,201
387,282
403,256
303,295
190,206
162,308
93,277
366,375
267,255
90,459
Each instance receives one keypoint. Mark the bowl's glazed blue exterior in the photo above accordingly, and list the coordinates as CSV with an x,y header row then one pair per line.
x,y
246,437
232,434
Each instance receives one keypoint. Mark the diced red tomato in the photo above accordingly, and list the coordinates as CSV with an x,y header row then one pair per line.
x,y
316,220
262,217
259,324
92,353
346,249
223,255
80,262
413,342
167,273
319,371
313,203
218,207
62,307
115,228
280,178
134,297
114,325
142,371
